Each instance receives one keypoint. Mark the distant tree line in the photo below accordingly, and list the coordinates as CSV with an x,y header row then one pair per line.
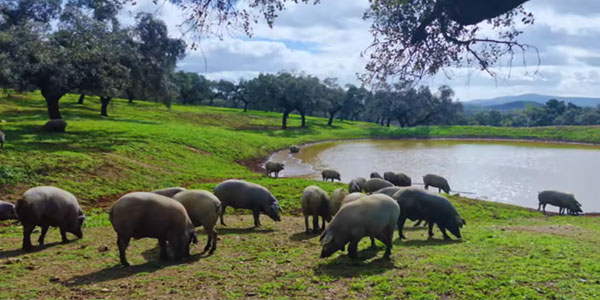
x,y
399,104
554,112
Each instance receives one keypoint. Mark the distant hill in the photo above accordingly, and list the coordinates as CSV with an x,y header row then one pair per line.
x,y
510,106
528,98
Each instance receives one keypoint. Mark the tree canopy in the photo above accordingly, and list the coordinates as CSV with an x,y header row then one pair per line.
x,y
79,46
411,38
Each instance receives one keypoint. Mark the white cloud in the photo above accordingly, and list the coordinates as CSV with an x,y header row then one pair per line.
x,y
326,40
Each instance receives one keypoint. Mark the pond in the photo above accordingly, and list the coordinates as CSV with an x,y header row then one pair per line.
x,y
504,171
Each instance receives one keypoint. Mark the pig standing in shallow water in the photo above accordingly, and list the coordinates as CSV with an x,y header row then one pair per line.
x,y
330,174
47,206
243,194
436,181
274,167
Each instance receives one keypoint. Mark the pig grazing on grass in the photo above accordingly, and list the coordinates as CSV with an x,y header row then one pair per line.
x,y
337,197
148,215
330,174
7,211
375,184
204,209
243,194
563,200
375,175
169,192
436,181
273,167
56,125
315,203
351,198
47,206
390,191
374,215
418,204
356,185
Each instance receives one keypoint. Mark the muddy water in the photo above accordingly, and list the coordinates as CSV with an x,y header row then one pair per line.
x,y
509,172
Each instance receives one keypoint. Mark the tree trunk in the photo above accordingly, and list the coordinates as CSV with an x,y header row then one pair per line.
x,y
130,98
211,102
81,98
303,117
330,122
388,122
245,106
284,119
52,98
382,120
103,109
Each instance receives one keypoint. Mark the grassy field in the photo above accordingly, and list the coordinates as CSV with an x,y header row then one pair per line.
x,y
506,252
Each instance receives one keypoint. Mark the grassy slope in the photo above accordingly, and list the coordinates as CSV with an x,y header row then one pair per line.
x,y
507,252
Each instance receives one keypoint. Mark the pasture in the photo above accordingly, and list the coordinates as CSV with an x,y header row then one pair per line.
x,y
506,251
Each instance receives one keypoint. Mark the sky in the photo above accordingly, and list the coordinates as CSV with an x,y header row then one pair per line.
x,y
327,40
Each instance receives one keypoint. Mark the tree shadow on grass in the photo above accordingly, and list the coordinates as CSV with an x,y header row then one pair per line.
x,y
344,266
28,137
119,272
249,230
427,242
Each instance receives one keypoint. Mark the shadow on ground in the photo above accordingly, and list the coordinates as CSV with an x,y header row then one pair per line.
x,y
302,236
118,271
427,242
344,266
19,251
249,230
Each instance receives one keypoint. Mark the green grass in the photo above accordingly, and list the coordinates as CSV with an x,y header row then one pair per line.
x,y
507,252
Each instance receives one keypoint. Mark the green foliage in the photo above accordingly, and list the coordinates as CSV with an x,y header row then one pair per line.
x,y
554,112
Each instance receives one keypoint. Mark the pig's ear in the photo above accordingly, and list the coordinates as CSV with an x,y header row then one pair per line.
x,y
326,238
460,221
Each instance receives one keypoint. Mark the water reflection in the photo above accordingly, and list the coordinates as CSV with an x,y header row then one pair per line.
x,y
510,172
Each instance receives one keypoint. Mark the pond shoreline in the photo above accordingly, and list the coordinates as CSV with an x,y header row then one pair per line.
x,y
256,164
